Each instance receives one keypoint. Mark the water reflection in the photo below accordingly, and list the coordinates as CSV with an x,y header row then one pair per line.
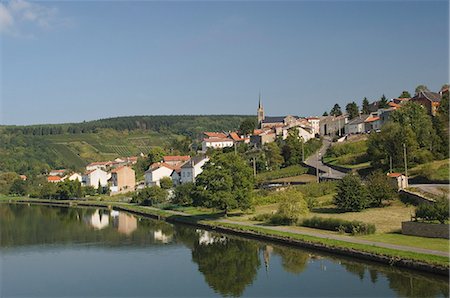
x,y
230,266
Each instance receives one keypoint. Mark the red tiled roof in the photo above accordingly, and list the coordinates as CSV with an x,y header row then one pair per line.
x,y
176,158
99,163
215,134
23,177
115,170
394,105
53,178
371,119
158,165
235,136
217,140
394,175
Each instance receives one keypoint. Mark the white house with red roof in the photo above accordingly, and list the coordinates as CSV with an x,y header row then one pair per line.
x,y
98,165
216,143
95,177
156,172
399,180
176,160
191,169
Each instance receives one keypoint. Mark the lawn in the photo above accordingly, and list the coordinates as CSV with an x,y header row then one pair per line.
x,y
433,171
305,178
406,240
349,154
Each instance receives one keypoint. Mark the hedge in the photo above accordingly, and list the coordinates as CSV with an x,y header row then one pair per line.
x,y
336,224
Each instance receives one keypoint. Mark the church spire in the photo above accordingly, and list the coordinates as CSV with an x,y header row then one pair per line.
x,y
260,112
259,104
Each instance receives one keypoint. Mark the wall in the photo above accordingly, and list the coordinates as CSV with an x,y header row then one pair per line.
x,y
425,229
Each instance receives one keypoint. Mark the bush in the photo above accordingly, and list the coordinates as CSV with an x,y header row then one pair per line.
x,y
346,148
351,194
316,190
336,224
290,208
265,217
380,189
183,194
149,196
435,211
166,183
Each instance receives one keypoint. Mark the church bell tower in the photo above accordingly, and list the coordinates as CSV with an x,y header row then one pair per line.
x,y
260,112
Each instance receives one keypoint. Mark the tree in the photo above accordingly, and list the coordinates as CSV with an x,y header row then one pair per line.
x,y
182,145
365,106
155,155
336,110
18,187
226,183
166,183
441,125
48,191
351,194
292,149
325,113
273,155
183,194
291,207
352,110
149,196
248,125
405,94
379,189
421,88
383,103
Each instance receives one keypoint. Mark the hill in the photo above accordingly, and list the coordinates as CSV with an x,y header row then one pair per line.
x,y
35,149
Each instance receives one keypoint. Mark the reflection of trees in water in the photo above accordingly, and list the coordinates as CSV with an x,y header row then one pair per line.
x,y
229,265
293,260
404,283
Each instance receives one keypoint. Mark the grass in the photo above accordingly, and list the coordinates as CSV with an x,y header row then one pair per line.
x,y
305,178
433,171
432,259
290,171
406,240
350,154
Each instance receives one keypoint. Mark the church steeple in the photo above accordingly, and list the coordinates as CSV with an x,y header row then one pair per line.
x,y
260,112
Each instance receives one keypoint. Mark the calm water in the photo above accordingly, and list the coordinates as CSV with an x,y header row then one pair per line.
x,y
62,252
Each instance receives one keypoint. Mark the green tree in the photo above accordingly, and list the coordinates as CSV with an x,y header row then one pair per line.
x,y
336,110
183,194
248,125
48,191
226,183
383,103
379,189
441,125
273,155
181,145
291,207
150,196
421,88
18,187
292,149
6,181
365,106
166,183
352,110
405,94
351,194
325,113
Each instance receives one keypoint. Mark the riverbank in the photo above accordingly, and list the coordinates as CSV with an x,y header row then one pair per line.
x,y
432,263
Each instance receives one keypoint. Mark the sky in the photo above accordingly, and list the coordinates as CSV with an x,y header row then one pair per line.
x,y
69,61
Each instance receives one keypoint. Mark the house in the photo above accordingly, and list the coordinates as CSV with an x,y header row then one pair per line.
x,y
98,165
23,177
332,125
399,180
356,125
400,101
192,169
176,176
372,123
175,160
429,100
315,124
156,172
216,143
57,172
123,179
95,177
75,176
262,136
55,179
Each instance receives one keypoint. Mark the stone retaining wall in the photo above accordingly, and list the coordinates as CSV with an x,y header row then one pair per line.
x,y
422,229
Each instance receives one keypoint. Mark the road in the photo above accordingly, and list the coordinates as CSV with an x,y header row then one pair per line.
x,y
434,189
316,162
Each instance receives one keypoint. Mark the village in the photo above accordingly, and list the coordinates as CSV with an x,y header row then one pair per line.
x,y
118,176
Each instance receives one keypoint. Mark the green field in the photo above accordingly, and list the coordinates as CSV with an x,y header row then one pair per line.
x,y
350,154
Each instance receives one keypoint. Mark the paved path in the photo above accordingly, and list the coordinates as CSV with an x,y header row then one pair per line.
x,y
434,189
316,162
351,239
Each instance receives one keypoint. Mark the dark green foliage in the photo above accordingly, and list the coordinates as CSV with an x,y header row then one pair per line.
x,y
149,196
166,183
48,191
292,149
69,190
351,194
380,188
248,125
434,211
336,110
421,88
365,106
183,194
383,103
405,94
335,224
226,183
325,113
6,181
273,155
352,110
441,124
181,145
18,188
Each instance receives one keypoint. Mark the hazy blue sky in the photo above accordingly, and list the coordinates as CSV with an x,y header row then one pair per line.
x,y
75,61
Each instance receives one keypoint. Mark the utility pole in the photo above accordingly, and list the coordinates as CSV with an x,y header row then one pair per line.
x,y
254,167
303,151
317,167
406,160
390,163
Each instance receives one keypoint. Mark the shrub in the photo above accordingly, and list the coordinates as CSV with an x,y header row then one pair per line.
x,y
435,211
316,190
340,225
379,189
290,208
262,217
149,196
183,194
166,183
351,194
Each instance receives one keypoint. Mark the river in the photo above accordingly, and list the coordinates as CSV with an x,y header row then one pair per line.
x,y
83,252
